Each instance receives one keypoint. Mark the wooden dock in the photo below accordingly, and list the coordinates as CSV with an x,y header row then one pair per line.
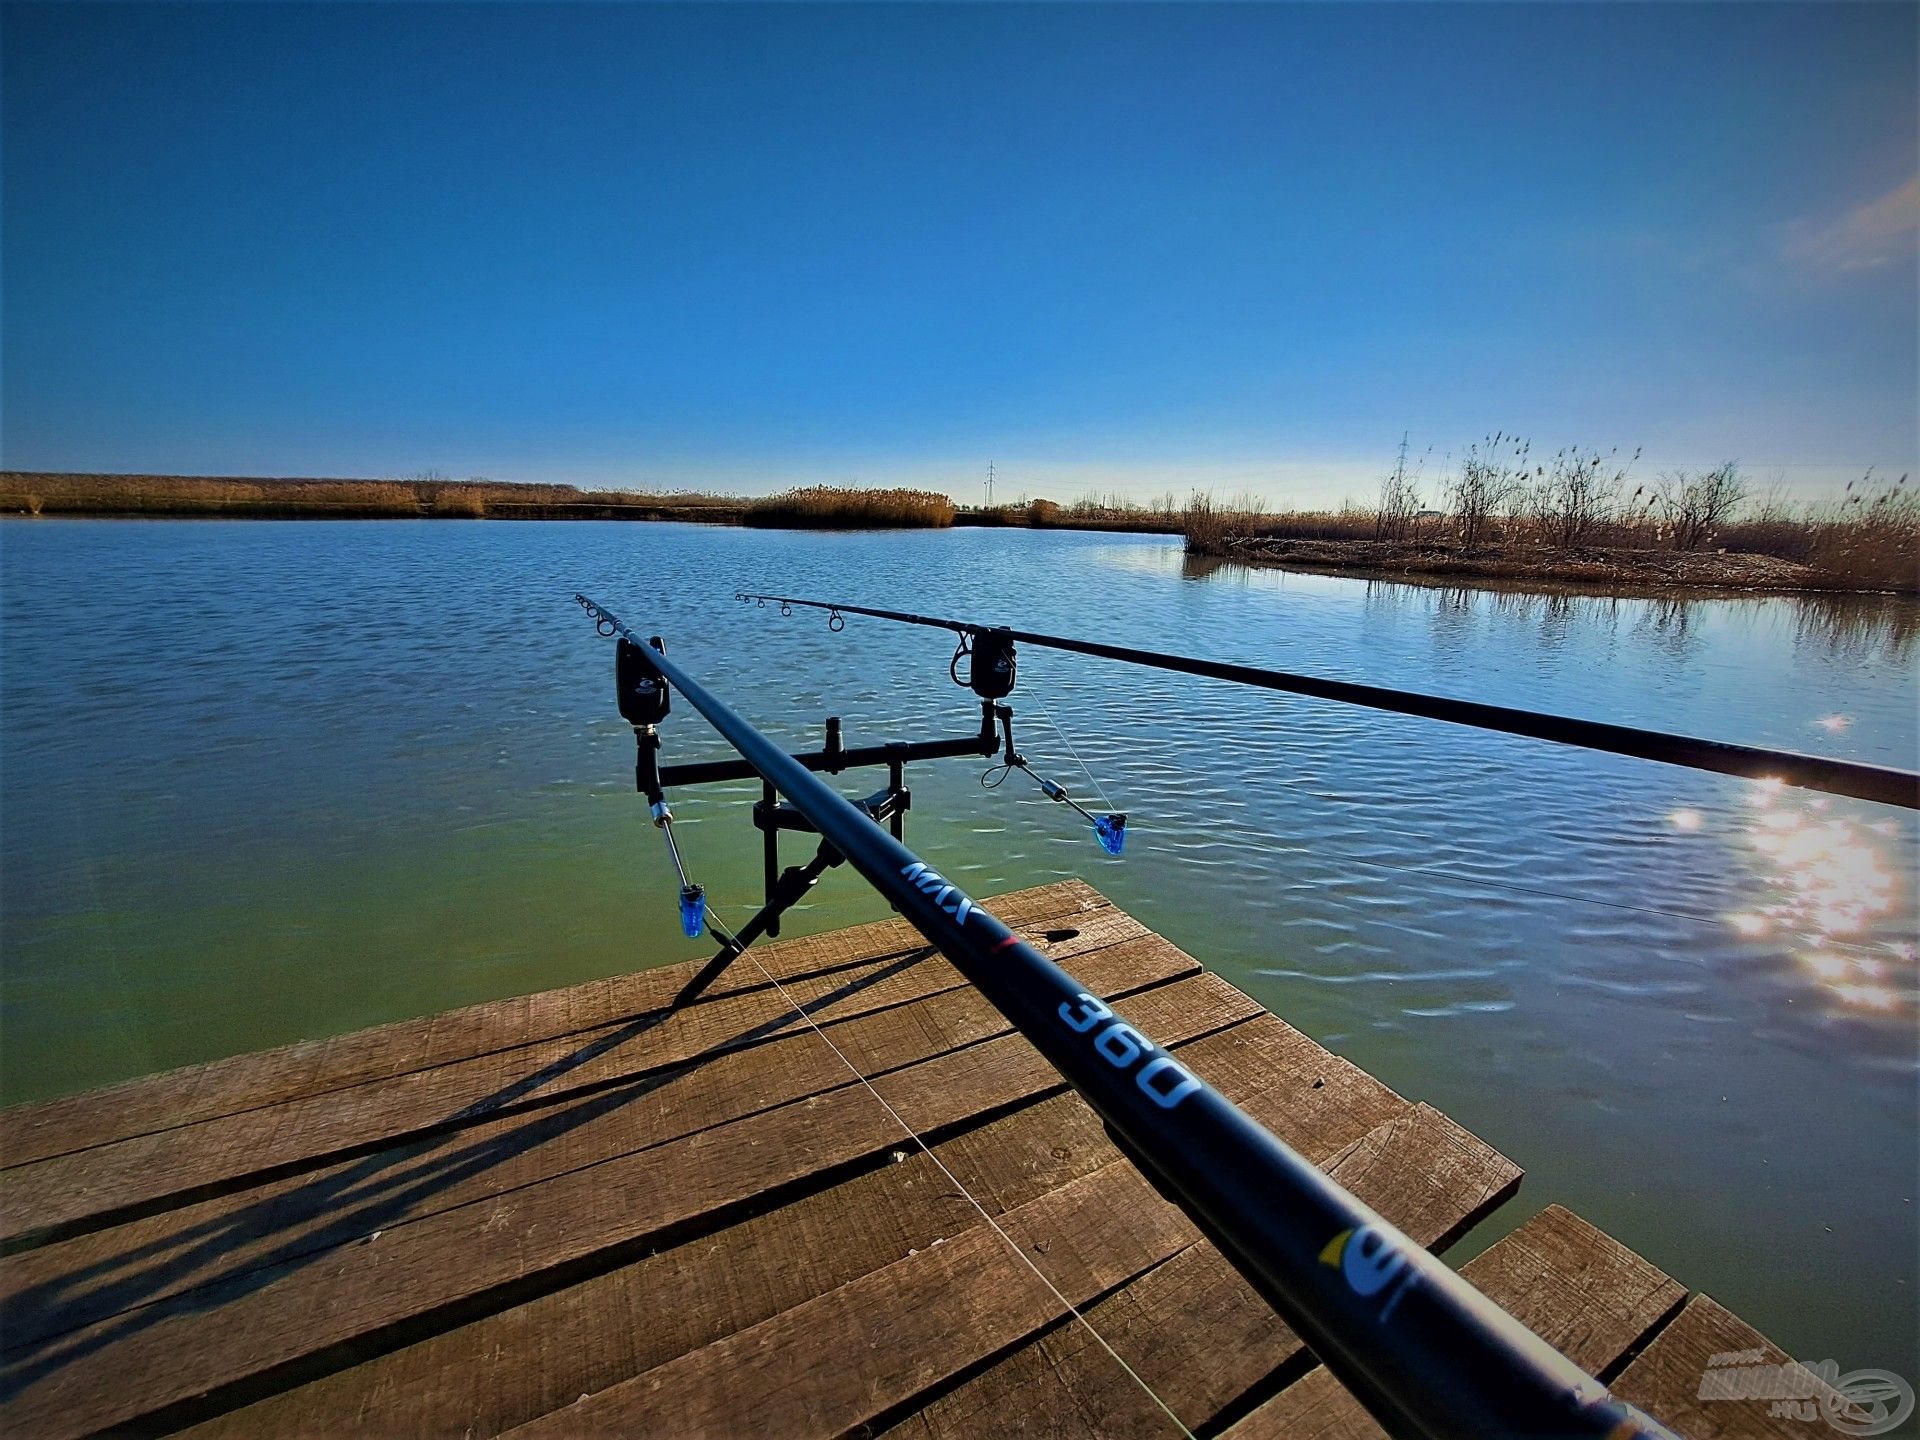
x,y
583,1213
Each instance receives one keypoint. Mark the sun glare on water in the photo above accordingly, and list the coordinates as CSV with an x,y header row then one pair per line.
x,y
1831,883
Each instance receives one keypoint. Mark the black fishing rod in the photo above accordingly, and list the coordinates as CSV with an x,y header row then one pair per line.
x,y
1428,1355
1882,783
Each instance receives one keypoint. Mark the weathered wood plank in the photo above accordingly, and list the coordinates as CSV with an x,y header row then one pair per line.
x,y
119,1369
1195,1332
853,1353
1665,1379
1576,1287
119,1175
519,1363
451,1384
74,1282
203,1092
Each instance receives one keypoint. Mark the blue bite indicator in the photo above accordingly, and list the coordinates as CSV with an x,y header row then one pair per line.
x,y
693,910
1111,832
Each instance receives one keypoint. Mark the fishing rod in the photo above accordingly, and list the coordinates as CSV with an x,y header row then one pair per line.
x,y
1428,1355
1884,784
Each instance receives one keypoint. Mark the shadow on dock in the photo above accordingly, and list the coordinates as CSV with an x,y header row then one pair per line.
x,y
137,1289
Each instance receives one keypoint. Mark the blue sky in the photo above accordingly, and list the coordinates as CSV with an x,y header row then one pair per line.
x,y
1130,248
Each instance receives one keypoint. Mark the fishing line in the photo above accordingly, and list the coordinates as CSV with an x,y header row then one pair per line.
x,y
933,1155
994,776
1047,711
999,773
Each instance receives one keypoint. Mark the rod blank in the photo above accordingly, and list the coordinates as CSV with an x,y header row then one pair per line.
x,y
1883,784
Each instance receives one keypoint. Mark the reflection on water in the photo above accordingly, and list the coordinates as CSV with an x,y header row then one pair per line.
x,y
1205,567
1837,625
1863,627
1833,885
1684,1004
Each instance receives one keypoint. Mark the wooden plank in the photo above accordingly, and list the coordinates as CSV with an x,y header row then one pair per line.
x,y
1666,1379
853,1353
70,1188
1195,1332
117,1370
1576,1287
519,1363
203,1092
76,1281
592,1335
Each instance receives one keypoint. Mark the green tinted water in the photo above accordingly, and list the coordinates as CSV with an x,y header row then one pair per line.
x,y
260,782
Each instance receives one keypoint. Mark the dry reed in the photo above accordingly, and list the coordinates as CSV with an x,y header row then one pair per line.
x,y
1867,539
834,507
421,496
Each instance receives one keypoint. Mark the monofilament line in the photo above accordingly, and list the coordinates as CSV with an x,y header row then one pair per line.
x,y
998,1229
1047,711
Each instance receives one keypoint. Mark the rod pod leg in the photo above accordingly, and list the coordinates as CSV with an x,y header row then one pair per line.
x,y
794,883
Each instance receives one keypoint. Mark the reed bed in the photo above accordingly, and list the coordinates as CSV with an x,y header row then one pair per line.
x,y
834,507
1573,517
423,496
1869,536
1094,512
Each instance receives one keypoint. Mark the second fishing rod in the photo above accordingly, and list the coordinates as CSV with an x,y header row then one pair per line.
x,y
1884,784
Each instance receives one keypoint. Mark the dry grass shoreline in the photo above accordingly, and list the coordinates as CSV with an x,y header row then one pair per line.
x,y
423,498
1587,566
1858,556
1871,549
1565,526
101,496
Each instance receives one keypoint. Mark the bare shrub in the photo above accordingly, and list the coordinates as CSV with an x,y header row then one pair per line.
x,y
1490,483
1578,495
1400,502
1693,506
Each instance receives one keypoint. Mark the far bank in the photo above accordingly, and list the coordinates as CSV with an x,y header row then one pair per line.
x,y
1874,548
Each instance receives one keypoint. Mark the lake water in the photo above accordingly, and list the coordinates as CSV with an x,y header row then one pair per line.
x,y
266,781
